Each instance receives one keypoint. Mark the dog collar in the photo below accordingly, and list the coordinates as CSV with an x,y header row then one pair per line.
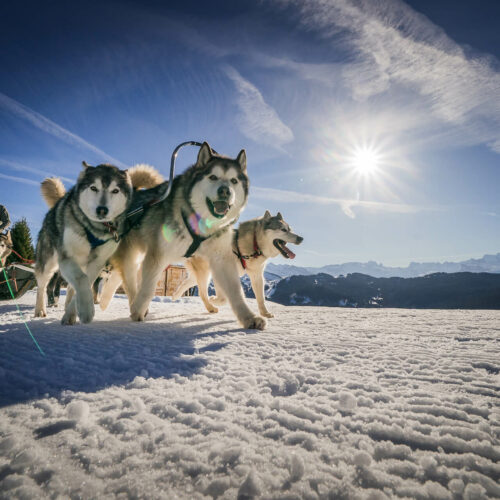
x,y
257,252
97,242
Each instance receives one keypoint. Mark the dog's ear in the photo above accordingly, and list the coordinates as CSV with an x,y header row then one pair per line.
x,y
267,215
242,160
9,237
204,155
85,164
280,217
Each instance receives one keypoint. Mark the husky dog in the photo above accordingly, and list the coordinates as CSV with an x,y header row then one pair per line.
x,y
82,230
5,246
254,242
195,219
79,233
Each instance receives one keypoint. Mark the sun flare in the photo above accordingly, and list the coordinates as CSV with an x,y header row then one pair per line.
x,y
366,161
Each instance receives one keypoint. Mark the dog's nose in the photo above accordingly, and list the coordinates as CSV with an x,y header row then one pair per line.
x,y
223,192
299,240
102,211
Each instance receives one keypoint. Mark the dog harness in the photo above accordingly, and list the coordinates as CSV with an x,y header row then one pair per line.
x,y
97,242
257,252
197,239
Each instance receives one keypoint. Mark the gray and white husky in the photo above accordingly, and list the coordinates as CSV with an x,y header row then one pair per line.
x,y
5,246
79,234
82,230
254,242
195,219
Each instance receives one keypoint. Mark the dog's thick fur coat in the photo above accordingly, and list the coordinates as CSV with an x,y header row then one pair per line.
x,y
196,217
270,235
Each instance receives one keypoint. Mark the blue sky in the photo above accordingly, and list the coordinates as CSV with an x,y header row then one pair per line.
x,y
306,87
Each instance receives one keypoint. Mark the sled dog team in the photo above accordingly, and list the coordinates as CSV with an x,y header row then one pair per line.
x,y
87,229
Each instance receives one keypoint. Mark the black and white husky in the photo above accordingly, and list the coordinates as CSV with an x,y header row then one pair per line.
x,y
195,219
80,233
254,242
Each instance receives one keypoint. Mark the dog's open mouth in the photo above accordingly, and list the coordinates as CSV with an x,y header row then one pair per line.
x,y
284,250
218,208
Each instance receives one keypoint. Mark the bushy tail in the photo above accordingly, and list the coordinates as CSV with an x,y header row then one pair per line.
x,y
52,190
144,176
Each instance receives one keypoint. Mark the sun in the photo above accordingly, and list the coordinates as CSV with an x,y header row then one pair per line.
x,y
366,161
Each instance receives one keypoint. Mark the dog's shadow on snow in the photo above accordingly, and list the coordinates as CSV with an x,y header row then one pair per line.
x,y
89,358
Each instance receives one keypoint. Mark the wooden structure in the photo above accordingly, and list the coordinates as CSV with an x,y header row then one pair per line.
x,y
170,279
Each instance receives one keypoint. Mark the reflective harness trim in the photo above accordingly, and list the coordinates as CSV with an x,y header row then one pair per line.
x,y
257,252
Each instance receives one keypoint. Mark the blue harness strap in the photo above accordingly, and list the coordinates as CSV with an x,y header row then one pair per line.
x,y
93,240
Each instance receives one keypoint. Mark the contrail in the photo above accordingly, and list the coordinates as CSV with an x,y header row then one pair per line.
x,y
52,128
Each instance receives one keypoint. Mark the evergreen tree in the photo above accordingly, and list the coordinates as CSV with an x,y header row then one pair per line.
x,y
21,240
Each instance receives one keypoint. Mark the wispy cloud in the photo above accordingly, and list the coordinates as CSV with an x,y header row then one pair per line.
x,y
22,180
346,205
258,120
392,45
41,122
14,165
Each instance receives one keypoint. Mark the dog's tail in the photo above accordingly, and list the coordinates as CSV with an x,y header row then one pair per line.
x,y
52,190
144,176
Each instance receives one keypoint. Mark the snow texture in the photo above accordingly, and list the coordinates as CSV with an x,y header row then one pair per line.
x,y
326,403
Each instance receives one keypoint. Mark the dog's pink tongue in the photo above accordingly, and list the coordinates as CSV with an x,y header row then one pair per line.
x,y
290,254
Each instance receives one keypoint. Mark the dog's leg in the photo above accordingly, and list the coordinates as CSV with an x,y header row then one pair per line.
x,y
70,293
95,291
128,274
203,277
189,281
111,283
84,301
257,281
152,268
57,289
225,272
219,299
43,277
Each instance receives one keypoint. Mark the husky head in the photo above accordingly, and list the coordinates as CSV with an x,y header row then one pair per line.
x,y
277,231
5,245
218,186
103,192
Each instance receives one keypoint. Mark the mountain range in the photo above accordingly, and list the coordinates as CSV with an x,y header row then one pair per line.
x,y
462,290
486,264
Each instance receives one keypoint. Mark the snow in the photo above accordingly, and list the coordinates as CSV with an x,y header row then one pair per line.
x,y
325,403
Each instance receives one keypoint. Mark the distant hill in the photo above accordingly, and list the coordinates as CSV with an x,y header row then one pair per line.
x,y
464,290
486,264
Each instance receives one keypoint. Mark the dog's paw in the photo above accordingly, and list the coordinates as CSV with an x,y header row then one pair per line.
x,y
267,314
217,301
212,309
86,312
41,313
254,323
68,319
135,316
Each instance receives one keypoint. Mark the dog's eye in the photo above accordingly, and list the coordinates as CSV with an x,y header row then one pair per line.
x,y
213,177
283,229
234,180
116,190
93,188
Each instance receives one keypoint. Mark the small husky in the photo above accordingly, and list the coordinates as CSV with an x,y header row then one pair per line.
x,y
80,233
5,246
195,219
254,242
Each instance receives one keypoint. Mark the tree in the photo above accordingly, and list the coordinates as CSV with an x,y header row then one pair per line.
x,y
21,240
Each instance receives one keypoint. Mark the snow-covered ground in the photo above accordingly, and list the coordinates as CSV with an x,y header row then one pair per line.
x,y
325,403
